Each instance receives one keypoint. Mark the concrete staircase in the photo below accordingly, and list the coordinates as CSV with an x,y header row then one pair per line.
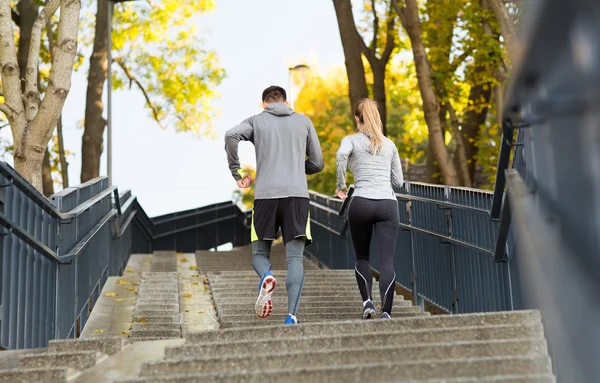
x,y
330,343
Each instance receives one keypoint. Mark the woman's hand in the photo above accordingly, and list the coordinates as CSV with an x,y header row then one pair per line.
x,y
341,194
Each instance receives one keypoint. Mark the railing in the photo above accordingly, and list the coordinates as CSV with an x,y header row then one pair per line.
x,y
56,255
187,231
553,194
445,247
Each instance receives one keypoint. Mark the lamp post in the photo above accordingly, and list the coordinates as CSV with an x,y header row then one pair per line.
x,y
109,5
300,67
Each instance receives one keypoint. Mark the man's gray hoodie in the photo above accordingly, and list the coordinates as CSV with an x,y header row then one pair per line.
x,y
282,141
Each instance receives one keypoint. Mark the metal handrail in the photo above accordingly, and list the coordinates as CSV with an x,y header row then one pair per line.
x,y
17,180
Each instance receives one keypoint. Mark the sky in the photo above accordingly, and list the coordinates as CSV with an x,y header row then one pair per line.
x,y
256,42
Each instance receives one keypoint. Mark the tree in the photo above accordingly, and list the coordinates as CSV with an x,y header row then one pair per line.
x,y
378,53
33,118
323,99
351,43
158,50
507,24
409,16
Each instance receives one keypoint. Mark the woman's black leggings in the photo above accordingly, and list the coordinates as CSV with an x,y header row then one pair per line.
x,y
366,216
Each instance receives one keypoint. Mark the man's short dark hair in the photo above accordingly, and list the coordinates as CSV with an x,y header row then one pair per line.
x,y
274,94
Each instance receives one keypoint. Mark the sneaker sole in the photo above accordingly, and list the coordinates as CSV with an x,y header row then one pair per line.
x,y
264,305
368,314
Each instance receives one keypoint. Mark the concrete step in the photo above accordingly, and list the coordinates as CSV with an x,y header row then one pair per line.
x,y
308,292
262,359
27,375
106,345
316,274
526,317
281,299
156,306
154,313
525,378
257,322
175,326
394,371
384,338
77,360
155,334
346,285
156,319
309,313
227,308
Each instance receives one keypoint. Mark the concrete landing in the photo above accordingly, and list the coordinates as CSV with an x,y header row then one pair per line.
x,y
126,363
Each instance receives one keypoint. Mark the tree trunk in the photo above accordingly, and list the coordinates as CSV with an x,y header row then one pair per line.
x,y
460,158
64,165
92,142
412,24
379,92
352,52
48,183
507,28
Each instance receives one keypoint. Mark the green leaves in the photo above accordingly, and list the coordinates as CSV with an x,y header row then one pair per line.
x,y
163,51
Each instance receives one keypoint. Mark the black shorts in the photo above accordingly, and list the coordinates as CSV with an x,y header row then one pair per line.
x,y
291,214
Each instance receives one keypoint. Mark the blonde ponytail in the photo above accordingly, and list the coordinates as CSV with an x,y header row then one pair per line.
x,y
369,122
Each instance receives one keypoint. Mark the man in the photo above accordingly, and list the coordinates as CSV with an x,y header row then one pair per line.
x,y
287,148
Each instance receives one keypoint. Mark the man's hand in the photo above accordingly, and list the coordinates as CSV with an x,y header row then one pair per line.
x,y
341,194
245,182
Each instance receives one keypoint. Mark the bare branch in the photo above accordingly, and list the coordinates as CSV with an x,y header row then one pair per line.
x,y
50,37
132,78
389,43
32,93
6,110
459,60
401,13
375,28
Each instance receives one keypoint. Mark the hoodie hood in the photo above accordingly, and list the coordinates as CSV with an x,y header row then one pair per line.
x,y
279,109
364,141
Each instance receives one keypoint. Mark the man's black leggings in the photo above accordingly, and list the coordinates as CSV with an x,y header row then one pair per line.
x,y
366,216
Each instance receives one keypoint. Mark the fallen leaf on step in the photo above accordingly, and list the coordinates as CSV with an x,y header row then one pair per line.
x,y
111,294
196,283
131,288
184,260
122,282
201,312
179,253
193,267
141,320
187,295
98,331
119,299
195,275
205,288
129,271
125,333
247,278
338,295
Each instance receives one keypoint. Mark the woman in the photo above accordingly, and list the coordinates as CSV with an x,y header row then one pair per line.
x,y
375,164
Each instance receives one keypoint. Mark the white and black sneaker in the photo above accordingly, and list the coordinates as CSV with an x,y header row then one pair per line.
x,y
385,315
368,310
